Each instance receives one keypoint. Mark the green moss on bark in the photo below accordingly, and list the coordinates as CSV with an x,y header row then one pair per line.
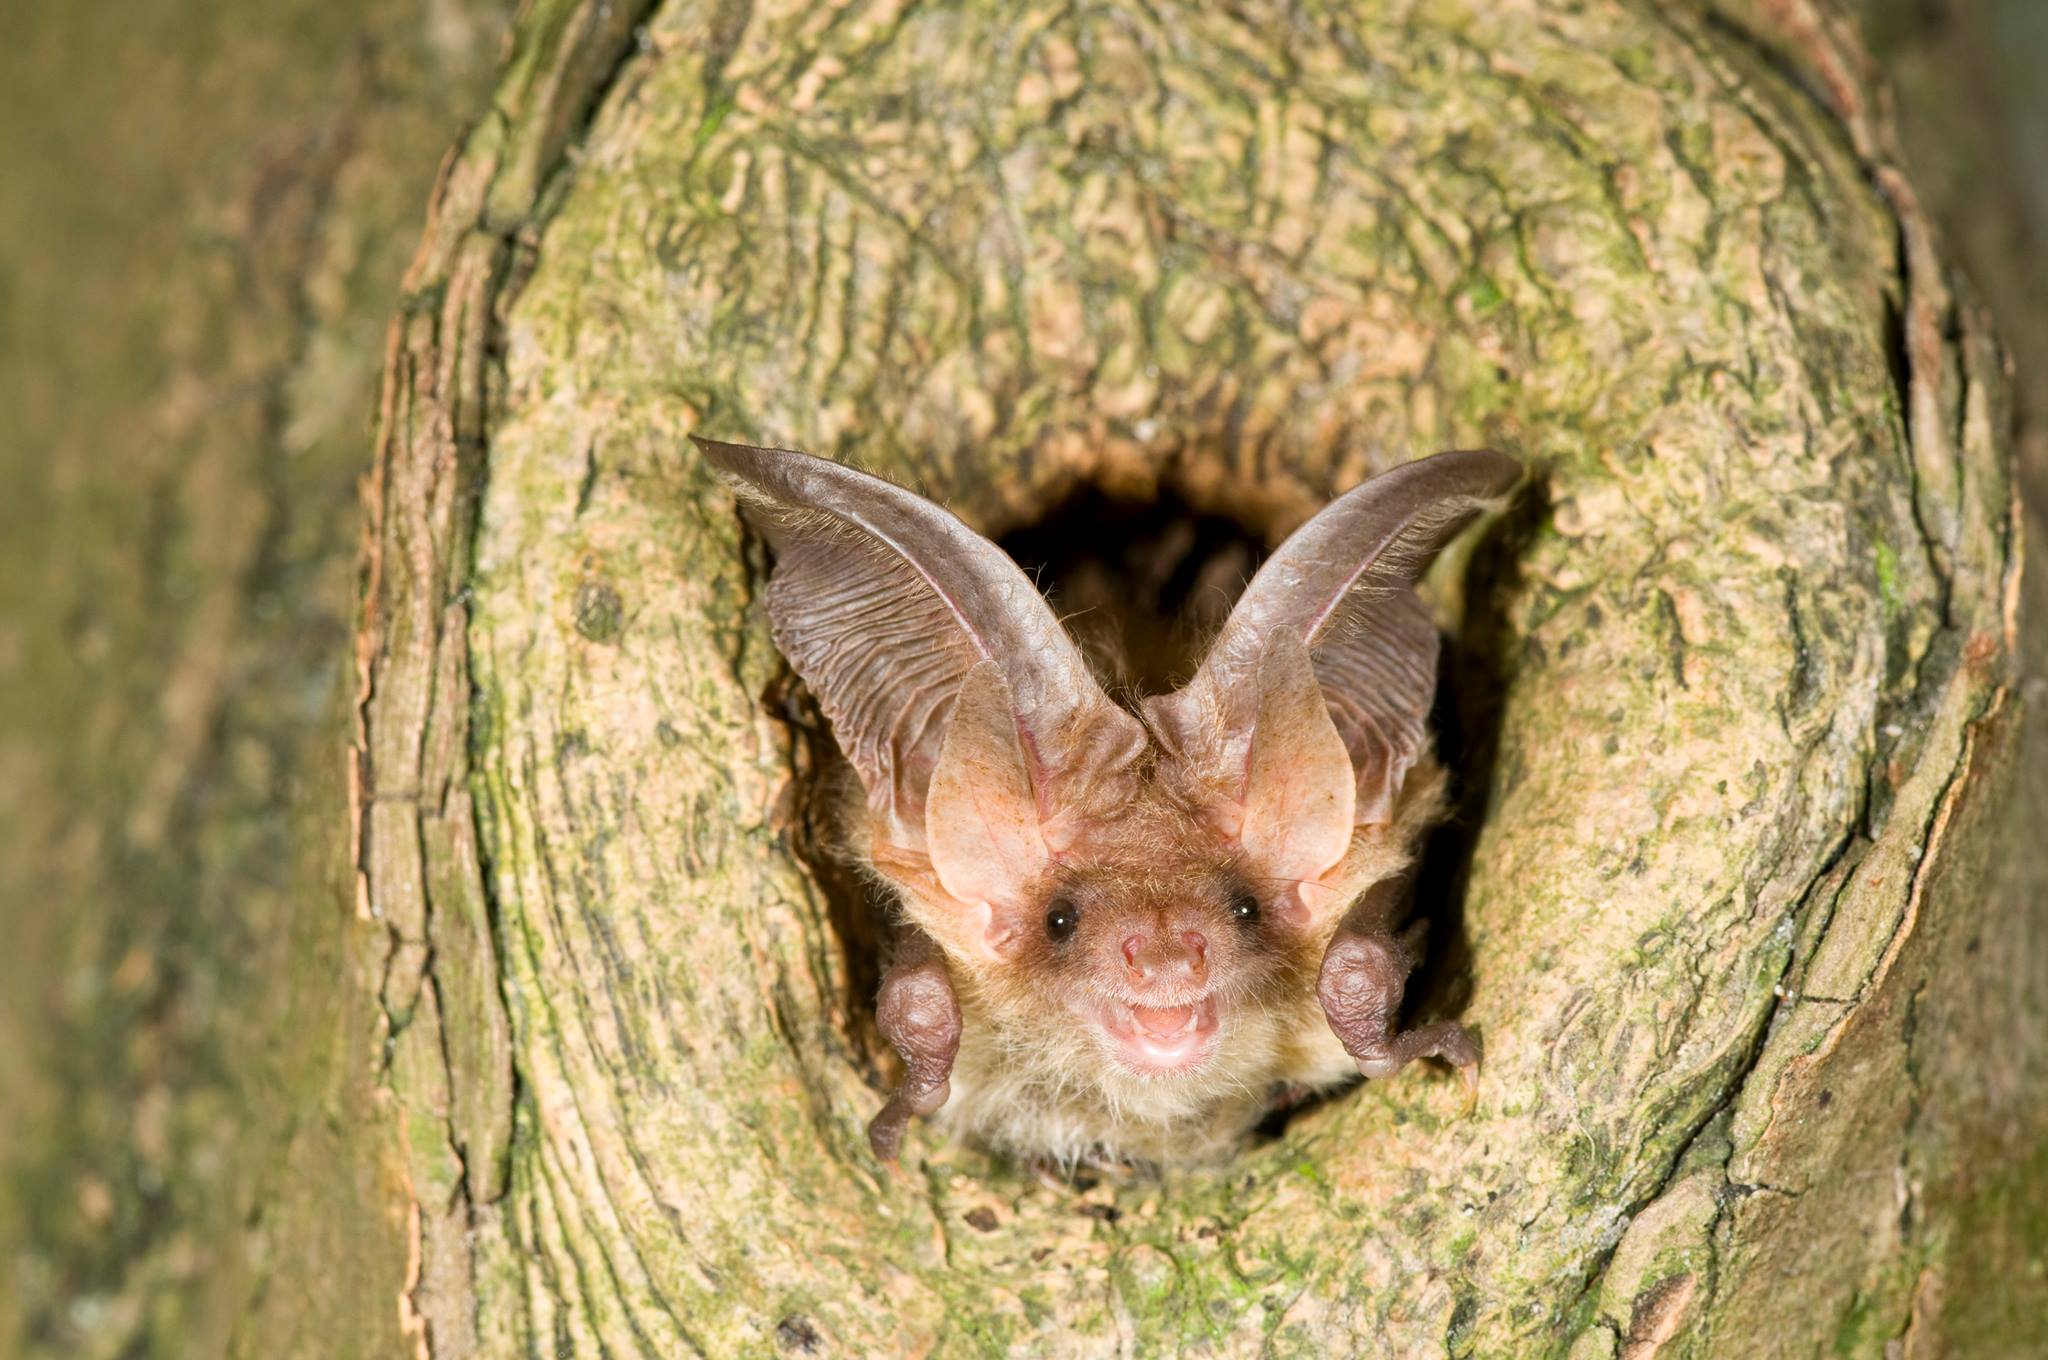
x,y
573,1066
204,218
1002,253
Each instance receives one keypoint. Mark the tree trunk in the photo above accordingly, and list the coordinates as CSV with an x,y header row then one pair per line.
x,y
204,214
571,1056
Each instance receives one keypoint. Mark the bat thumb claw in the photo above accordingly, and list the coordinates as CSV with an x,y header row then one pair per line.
x,y
1469,1074
885,1131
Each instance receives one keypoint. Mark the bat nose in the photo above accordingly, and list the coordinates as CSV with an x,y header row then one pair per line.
x,y
1166,959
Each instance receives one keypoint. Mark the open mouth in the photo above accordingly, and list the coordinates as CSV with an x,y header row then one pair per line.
x,y
1162,1040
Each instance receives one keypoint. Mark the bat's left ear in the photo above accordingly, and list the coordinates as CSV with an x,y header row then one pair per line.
x,y
969,714
1300,801
1324,672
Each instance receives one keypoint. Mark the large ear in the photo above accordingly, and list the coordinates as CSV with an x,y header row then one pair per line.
x,y
1340,589
1299,801
982,828
886,605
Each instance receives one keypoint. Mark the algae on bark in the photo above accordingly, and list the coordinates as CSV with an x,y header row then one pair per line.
x,y
1752,641
204,216
564,1032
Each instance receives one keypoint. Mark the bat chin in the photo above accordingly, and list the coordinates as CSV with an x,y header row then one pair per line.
x,y
1162,1041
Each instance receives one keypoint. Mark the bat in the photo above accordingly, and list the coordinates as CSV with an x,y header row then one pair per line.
x,y
1123,929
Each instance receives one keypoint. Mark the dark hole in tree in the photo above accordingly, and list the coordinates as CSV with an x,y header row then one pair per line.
x,y
1143,586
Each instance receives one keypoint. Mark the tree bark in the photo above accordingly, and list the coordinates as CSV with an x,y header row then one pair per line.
x,y
204,215
1746,906
1753,640
1973,119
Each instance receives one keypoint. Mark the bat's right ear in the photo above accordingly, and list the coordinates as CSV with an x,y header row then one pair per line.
x,y
1308,711
965,708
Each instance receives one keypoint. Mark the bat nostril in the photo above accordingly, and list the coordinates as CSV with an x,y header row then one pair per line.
x,y
1197,944
1133,946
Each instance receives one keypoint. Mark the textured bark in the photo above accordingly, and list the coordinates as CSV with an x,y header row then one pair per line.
x,y
563,1050
204,216
1973,122
1758,1057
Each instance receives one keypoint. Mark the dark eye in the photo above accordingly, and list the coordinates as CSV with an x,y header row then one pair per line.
x,y
1244,907
1061,918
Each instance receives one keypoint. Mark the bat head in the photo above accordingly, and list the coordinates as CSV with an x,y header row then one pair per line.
x,y
1153,940
1161,880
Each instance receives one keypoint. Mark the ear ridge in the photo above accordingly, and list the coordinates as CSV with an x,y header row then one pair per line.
x,y
1378,675
1342,587
883,602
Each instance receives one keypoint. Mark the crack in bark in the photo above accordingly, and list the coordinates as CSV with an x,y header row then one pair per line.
x,y
1259,442
1906,374
445,536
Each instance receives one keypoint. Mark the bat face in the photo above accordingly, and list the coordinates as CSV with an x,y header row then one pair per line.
x,y
1154,956
1126,909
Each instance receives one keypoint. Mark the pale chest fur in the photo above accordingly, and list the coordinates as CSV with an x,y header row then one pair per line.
x,y
1041,1088
1033,1080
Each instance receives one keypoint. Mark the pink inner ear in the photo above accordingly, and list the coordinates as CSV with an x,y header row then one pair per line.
x,y
981,821
1300,789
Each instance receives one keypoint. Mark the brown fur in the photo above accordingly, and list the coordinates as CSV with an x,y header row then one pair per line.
x,y
1120,925
1034,1078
